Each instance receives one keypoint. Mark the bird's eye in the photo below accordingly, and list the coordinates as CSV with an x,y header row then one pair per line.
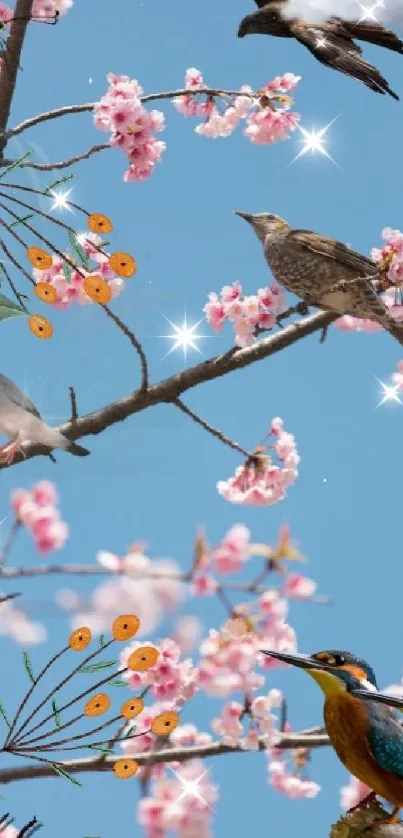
x,y
340,660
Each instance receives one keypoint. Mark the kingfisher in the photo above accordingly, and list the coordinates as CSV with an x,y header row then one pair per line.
x,y
363,729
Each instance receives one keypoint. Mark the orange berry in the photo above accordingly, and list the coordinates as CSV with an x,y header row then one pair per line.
x,y
123,264
46,292
97,289
143,658
165,723
99,223
39,258
40,326
97,705
80,639
125,768
125,626
131,708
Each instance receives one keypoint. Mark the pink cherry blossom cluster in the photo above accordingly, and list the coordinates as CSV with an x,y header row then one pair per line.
x,y
170,679
247,314
389,260
169,808
9,831
230,725
285,779
267,113
37,511
71,290
121,113
260,482
47,8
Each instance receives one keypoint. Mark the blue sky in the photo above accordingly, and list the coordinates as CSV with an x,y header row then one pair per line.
x,y
154,478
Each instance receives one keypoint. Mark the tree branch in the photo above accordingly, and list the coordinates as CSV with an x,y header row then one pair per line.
x,y
210,429
358,824
169,389
8,75
288,741
62,164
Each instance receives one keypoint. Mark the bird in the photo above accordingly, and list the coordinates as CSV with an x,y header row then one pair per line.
x,y
21,422
331,41
366,735
322,271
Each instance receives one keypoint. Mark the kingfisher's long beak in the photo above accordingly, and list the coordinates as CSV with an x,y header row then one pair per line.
x,y
246,215
302,661
381,698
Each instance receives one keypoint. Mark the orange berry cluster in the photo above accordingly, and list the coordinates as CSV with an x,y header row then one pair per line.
x,y
143,658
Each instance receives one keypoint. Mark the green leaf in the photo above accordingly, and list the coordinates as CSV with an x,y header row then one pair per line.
x,y
56,713
9,309
95,667
77,247
22,220
102,640
67,270
4,714
15,164
28,666
130,730
59,182
102,750
118,683
65,774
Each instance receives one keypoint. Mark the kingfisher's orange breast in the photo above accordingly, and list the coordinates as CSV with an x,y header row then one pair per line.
x,y
347,724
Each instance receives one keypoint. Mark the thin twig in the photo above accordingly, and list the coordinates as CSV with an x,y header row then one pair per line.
x,y
134,342
61,164
73,402
5,551
211,430
288,741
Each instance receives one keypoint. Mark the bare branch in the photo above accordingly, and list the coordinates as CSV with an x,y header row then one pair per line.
x,y
15,40
170,389
288,741
362,822
62,164
207,427
134,342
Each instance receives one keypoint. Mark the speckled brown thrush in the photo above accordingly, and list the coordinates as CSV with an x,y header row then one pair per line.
x,y
325,273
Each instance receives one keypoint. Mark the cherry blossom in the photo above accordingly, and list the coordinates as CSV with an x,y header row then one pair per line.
x,y
267,113
47,8
169,678
231,555
288,782
37,511
260,482
247,314
353,793
120,112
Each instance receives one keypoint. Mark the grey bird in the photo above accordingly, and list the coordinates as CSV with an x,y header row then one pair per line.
x,y
331,41
325,273
21,422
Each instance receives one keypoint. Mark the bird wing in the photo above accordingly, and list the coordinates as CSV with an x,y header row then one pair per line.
x,y
333,46
9,392
371,32
335,250
385,738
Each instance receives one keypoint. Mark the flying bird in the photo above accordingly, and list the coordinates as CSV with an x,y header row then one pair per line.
x,y
331,41
325,273
21,422
366,735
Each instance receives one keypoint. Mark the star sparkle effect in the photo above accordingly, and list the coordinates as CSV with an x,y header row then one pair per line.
x,y
60,200
184,337
314,141
389,393
190,788
369,11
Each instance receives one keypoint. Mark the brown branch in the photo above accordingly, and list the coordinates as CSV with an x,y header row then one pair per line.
x,y
62,164
8,75
134,342
170,389
362,824
210,429
66,110
288,741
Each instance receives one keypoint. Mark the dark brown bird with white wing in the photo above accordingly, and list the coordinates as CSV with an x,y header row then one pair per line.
x,y
331,41
325,273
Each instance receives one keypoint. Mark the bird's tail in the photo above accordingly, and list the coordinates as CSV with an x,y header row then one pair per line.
x,y
375,33
77,450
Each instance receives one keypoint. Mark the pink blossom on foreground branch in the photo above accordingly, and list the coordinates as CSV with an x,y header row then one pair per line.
x,y
181,801
47,8
388,260
260,482
121,113
247,314
36,510
265,123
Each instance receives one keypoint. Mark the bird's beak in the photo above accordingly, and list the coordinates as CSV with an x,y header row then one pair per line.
x,y
381,698
302,661
247,216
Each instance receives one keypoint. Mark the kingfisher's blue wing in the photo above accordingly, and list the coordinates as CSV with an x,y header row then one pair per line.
x,y
385,738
